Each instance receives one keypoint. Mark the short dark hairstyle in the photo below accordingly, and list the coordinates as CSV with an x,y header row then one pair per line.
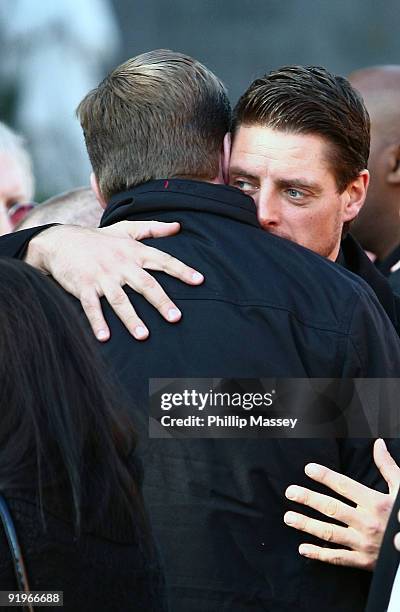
x,y
311,100
159,115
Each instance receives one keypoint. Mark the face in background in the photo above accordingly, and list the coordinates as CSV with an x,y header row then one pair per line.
x,y
378,225
294,188
14,189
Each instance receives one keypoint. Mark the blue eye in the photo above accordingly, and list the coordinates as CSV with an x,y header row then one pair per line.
x,y
295,193
244,186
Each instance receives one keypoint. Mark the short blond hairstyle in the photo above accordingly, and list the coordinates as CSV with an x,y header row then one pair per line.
x,y
159,115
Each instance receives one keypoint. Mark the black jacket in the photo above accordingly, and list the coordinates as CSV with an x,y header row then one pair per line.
x,y
387,565
353,258
268,308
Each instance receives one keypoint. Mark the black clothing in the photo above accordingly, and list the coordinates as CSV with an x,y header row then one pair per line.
x,y
217,505
353,258
394,281
99,572
268,308
385,265
387,565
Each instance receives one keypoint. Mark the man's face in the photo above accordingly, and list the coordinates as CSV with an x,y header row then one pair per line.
x,y
293,186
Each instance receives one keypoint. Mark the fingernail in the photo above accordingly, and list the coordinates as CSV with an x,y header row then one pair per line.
x,y
173,314
383,443
197,277
292,492
304,550
290,518
312,469
140,331
397,541
102,334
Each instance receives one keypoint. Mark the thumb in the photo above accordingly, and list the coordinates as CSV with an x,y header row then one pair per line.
x,y
151,229
386,465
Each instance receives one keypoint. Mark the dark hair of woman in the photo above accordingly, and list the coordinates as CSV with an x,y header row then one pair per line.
x,y
63,428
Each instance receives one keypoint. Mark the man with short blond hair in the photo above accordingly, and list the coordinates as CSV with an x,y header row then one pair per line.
x,y
186,112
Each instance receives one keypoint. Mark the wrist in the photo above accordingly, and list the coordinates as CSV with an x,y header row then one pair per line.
x,y
41,247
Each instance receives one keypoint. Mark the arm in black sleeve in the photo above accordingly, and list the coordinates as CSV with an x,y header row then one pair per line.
x,y
15,245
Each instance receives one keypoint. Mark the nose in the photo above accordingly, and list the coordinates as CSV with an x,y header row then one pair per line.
x,y
268,211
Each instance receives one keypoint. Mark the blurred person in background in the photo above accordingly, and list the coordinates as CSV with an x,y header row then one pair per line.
x,y
52,54
77,206
17,184
68,467
377,227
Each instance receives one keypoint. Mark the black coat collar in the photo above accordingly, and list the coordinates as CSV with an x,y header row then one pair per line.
x,y
176,195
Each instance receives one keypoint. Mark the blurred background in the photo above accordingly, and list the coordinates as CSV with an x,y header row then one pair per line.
x,y
54,52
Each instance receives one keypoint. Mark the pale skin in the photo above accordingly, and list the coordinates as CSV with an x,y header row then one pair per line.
x,y
88,271
361,535
295,191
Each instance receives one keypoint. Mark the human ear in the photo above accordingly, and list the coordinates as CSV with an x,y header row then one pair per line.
x,y
226,156
393,165
96,190
355,194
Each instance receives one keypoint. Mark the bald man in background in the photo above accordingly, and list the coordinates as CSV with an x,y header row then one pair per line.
x,y
377,226
77,207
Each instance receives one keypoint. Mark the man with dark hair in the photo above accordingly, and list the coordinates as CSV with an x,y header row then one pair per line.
x,y
300,149
268,308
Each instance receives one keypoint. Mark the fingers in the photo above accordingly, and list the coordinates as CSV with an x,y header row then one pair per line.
x,y
153,259
345,536
345,486
326,505
125,311
143,283
156,229
91,305
120,303
386,465
334,556
397,541
143,229
146,285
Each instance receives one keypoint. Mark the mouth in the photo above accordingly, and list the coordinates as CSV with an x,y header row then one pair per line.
x,y
18,212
